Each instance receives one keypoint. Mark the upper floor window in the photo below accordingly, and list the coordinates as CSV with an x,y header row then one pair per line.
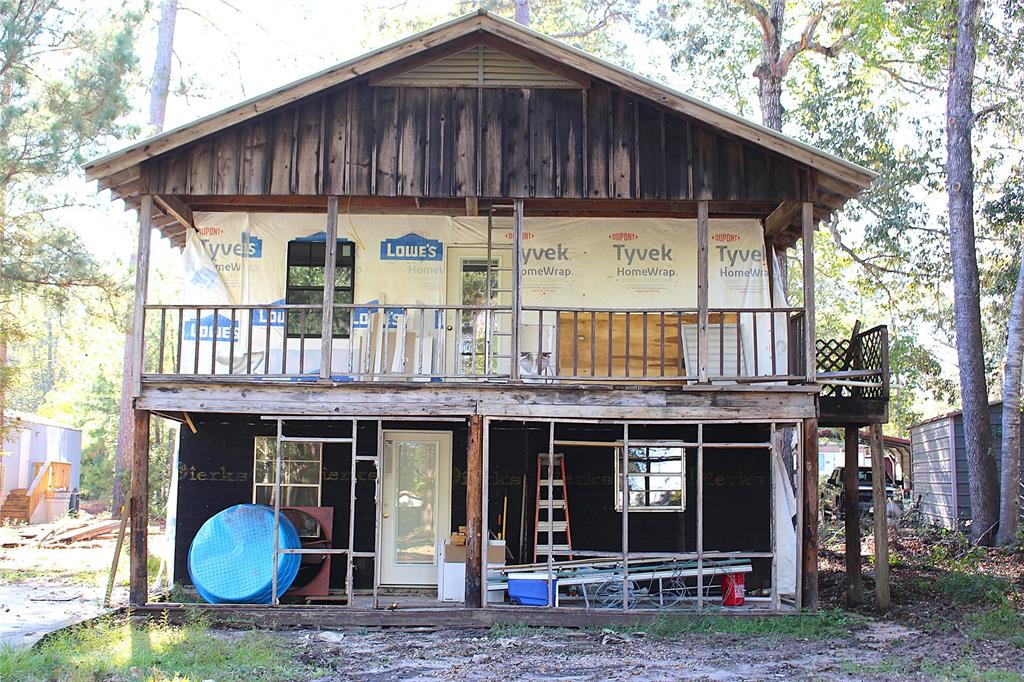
x,y
306,285
657,478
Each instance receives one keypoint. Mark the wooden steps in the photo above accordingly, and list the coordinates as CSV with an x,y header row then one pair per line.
x,y
15,507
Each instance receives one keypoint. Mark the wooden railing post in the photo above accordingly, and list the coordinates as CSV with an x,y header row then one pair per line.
x,y
138,355
809,331
702,292
330,265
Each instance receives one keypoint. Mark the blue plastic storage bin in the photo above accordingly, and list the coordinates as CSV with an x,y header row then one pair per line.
x,y
231,559
531,589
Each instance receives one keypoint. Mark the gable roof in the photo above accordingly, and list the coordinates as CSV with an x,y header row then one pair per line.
x,y
852,177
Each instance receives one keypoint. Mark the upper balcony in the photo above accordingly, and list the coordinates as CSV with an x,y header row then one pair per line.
x,y
485,312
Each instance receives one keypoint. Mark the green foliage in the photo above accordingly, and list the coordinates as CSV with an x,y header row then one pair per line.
x,y
64,70
826,624
585,24
1001,623
118,648
967,589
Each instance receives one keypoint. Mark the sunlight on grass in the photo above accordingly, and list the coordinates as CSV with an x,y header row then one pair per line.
x,y
117,649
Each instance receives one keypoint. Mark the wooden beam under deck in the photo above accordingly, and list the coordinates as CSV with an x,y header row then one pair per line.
x,y
331,616
700,403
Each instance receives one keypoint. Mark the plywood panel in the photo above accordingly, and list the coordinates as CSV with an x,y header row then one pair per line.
x,y
309,148
336,129
464,113
516,143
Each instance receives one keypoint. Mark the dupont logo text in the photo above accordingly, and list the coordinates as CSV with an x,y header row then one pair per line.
x,y
623,236
725,237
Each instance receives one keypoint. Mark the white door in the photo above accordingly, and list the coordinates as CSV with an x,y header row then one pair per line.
x,y
468,330
416,506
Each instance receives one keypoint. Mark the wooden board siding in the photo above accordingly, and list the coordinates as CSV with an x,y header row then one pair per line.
x,y
438,142
932,474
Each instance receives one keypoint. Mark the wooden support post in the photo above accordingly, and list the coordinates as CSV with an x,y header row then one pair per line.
x,y
517,283
474,511
851,507
809,572
702,292
141,286
330,265
882,592
810,337
139,505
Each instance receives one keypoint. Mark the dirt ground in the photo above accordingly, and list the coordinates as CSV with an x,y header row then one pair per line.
x,y
938,629
43,588
878,650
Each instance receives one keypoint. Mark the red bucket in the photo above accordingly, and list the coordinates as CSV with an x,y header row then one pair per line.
x,y
733,589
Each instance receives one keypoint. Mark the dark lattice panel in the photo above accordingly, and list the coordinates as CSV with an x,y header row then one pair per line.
x,y
870,352
864,352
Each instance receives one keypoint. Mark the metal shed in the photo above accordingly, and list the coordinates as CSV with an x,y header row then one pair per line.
x,y
940,466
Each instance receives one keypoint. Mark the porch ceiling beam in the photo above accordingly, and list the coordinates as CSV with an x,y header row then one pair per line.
x,y
175,208
781,219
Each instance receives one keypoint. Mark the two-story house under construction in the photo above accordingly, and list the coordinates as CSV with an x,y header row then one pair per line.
x,y
481,279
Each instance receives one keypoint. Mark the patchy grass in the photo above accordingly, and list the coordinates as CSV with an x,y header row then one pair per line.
x,y
1000,623
824,625
966,670
975,589
117,649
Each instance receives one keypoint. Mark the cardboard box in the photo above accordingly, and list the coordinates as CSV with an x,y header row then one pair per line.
x,y
456,554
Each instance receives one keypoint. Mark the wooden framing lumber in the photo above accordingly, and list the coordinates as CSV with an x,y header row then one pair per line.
x,y
882,587
702,292
810,337
475,594
331,616
851,505
176,208
141,288
138,589
779,220
809,539
330,265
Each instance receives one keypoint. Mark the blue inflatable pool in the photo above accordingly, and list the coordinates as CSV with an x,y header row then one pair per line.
x,y
232,556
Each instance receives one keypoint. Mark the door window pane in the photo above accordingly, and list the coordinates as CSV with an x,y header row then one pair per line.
x,y
415,503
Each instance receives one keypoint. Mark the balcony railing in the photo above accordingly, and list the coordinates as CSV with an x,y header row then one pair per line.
x,y
857,367
433,343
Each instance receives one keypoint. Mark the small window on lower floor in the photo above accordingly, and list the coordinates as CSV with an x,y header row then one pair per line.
x,y
656,478
301,465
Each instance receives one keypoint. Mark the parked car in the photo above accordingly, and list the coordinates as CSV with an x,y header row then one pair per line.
x,y
833,504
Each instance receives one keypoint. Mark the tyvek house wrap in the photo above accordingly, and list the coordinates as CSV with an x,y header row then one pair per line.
x,y
623,263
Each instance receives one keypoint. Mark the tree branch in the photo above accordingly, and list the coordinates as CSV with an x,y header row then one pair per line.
x,y
793,49
761,14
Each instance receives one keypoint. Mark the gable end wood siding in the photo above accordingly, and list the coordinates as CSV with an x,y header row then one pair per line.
x,y
495,142
480,65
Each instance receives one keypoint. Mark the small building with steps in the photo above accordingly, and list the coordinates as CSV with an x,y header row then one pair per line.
x,y
39,469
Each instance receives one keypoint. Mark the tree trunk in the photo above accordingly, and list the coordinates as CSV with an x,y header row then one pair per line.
x,y
157,110
162,66
522,12
967,302
1009,502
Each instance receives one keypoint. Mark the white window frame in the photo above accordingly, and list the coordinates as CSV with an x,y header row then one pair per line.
x,y
651,508
319,461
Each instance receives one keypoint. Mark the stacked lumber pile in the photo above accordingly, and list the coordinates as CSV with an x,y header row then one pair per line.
x,y
61,533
